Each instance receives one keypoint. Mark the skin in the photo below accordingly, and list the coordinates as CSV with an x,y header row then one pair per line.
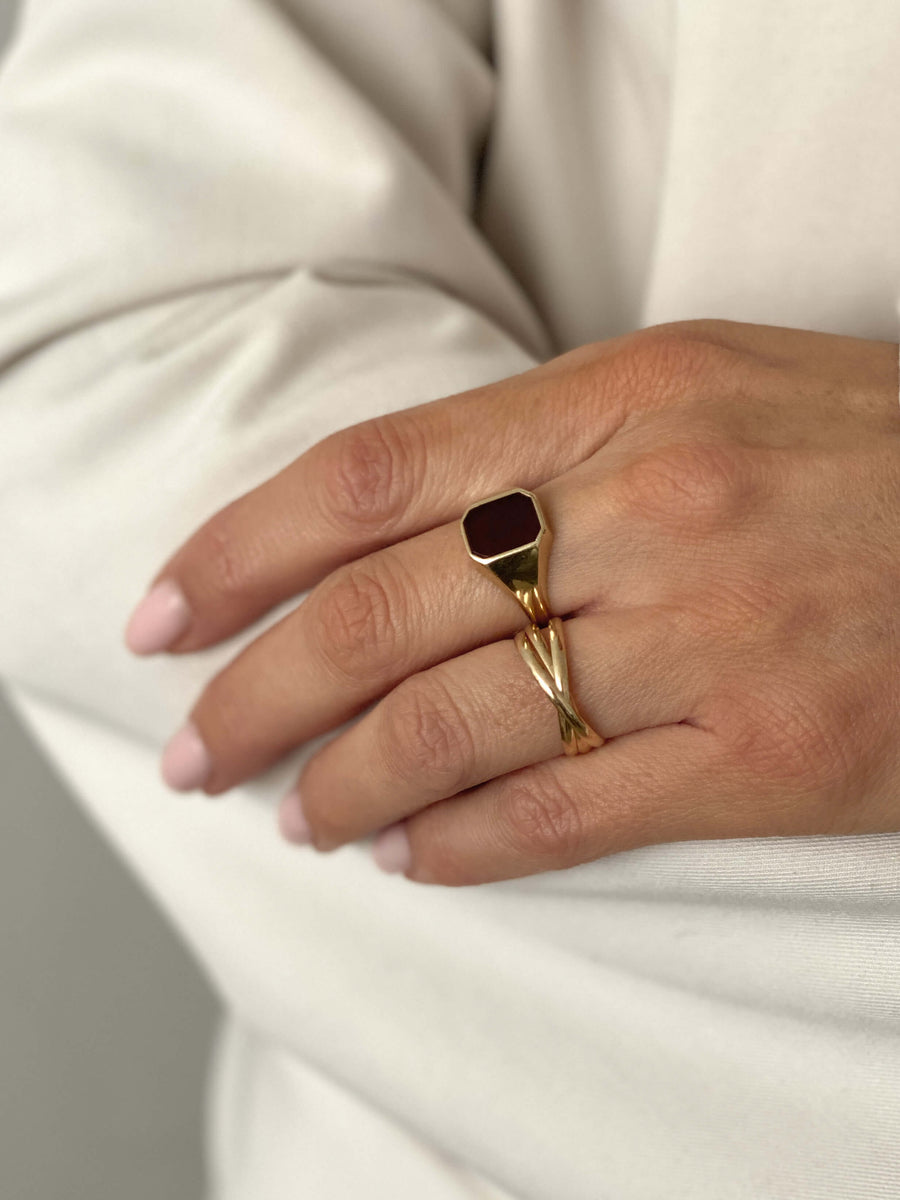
x,y
725,501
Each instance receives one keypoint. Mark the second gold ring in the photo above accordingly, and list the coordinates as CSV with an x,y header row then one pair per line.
x,y
508,536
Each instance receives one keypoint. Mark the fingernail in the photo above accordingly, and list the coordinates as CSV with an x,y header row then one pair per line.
x,y
292,823
186,762
391,849
162,616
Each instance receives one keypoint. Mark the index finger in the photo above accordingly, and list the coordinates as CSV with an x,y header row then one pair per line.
x,y
370,485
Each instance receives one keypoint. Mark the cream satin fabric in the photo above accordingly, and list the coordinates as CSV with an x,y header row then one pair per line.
x,y
232,226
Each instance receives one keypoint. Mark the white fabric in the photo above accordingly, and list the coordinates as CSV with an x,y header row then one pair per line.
x,y
231,226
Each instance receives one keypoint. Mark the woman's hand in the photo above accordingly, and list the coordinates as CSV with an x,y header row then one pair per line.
x,y
725,501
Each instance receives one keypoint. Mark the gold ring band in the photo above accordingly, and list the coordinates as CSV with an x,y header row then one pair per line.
x,y
507,535
544,651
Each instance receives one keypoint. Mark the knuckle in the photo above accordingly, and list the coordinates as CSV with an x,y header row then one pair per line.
x,y
229,564
714,331
694,483
425,734
680,363
369,473
542,820
359,613
665,363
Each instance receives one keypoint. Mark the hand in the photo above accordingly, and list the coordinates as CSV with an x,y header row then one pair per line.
x,y
725,501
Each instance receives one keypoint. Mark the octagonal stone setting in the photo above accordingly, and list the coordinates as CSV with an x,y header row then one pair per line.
x,y
502,524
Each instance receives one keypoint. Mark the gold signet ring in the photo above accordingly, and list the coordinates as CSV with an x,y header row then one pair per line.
x,y
508,536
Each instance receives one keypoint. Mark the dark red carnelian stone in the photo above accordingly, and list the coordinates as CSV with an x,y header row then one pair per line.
x,y
500,525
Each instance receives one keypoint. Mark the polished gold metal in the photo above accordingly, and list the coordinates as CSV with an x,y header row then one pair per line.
x,y
544,651
522,569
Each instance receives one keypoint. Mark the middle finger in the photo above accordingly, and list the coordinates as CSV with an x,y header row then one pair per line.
x,y
482,715
355,636
387,616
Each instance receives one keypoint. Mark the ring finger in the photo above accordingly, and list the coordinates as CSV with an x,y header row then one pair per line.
x,y
359,632
482,715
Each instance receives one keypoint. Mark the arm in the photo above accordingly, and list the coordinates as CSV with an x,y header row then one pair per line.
x,y
228,233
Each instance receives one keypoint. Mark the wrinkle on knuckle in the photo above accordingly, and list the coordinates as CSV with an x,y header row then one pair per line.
x,y
369,477
696,485
663,364
359,614
229,565
541,820
425,735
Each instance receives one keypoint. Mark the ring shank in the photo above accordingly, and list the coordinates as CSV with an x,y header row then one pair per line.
x,y
544,652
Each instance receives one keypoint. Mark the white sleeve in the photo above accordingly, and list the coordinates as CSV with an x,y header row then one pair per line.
x,y
229,227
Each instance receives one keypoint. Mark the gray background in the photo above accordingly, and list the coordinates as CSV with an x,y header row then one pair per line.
x,y
105,1024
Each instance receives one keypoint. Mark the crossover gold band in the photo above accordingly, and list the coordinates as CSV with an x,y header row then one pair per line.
x,y
544,650
507,535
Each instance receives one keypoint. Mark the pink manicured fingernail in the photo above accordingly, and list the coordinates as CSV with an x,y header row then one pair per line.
x,y
292,823
186,762
162,616
391,849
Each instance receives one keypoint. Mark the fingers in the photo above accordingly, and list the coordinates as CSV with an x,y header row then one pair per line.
x,y
391,477
366,627
369,486
363,629
350,641
483,715
421,602
383,618
665,784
